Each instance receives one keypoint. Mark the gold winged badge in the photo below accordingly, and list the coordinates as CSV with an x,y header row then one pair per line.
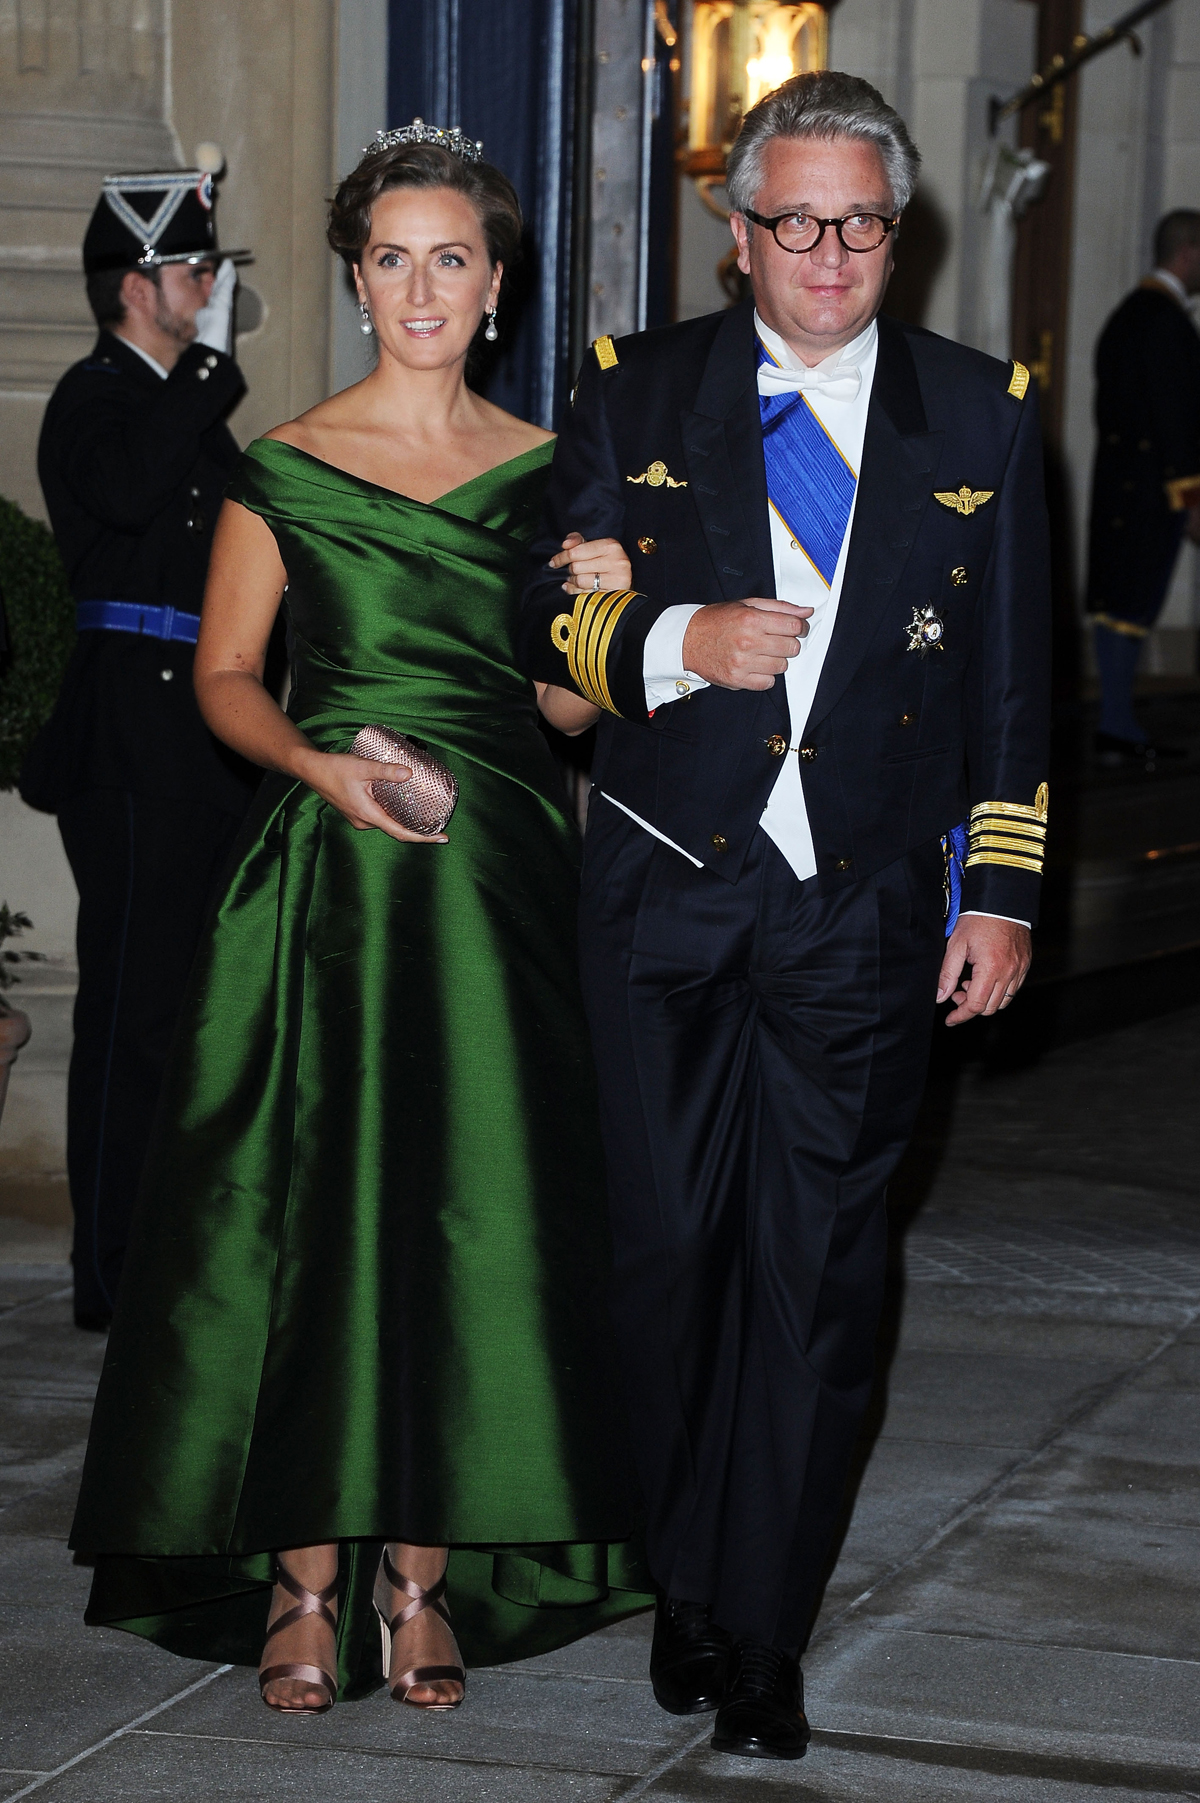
x,y
966,500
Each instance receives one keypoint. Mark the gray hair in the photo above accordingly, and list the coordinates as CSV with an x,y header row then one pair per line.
x,y
825,104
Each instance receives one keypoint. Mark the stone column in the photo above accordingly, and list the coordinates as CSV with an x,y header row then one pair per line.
x,y
259,81
81,96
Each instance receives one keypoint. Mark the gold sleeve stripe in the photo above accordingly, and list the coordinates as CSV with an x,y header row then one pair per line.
x,y
1009,832
1018,810
1020,381
1128,629
606,352
1028,848
585,634
999,823
1182,492
1034,866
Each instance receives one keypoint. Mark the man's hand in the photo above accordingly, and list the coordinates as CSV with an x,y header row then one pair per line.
x,y
998,952
744,644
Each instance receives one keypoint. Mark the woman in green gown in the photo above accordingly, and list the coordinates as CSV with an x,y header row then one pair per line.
x,y
363,1307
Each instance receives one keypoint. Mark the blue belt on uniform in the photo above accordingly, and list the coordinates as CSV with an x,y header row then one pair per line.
x,y
130,616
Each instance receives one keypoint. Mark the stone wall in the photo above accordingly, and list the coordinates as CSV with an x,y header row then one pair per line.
x,y
88,88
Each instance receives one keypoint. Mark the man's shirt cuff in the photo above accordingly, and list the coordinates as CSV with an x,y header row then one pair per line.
x,y
663,670
983,914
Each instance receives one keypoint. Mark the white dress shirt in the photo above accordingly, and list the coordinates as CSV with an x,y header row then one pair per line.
x,y
841,406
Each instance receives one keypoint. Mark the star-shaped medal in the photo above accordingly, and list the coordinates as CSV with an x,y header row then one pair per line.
x,y
925,630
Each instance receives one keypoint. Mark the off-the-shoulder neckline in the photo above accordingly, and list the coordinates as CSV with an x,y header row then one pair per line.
x,y
395,494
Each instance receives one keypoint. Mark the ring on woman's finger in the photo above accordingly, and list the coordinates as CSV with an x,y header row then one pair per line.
x,y
595,582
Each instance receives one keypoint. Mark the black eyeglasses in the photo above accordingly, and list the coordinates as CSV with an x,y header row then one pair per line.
x,y
802,231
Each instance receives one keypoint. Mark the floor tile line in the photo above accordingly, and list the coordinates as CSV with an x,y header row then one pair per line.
x,y
45,1489
665,1765
119,1733
1096,1398
17,1308
881,1626
973,1756
546,1672
341,1748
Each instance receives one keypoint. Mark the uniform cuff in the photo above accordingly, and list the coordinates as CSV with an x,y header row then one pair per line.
x,y
663,670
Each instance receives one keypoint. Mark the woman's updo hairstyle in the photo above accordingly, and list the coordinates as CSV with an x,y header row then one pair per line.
x,y
425,166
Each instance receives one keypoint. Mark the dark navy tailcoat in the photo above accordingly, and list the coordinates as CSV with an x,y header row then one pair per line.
x,y
900,745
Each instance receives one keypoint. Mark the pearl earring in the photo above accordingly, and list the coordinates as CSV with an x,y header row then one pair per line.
x,y
491,334
364,324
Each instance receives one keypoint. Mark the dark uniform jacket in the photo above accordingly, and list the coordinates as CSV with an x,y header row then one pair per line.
x,y
899,746
133,469
1148,456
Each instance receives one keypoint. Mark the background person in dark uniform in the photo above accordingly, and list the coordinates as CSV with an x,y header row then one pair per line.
x,y
1146,483
836,650
133,460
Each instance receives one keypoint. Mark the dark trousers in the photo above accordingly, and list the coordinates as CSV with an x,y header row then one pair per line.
x,y
761,1053
145,868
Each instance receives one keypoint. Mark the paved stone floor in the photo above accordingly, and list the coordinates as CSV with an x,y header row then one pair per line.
x,y
1014,1612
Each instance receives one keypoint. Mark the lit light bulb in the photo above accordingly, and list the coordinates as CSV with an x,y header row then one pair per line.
x,y
764,73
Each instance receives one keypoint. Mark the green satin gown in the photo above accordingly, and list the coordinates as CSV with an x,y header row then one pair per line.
x,y
364,1294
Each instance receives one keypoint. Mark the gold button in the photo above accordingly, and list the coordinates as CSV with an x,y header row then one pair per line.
x,y
907,719
843,864
960,575
718,843
647,546
807,753
776,744
683,689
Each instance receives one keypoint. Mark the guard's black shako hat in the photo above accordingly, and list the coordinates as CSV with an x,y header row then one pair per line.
x,y
143,221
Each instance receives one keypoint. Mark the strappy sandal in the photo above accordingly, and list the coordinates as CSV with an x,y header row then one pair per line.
x,y
421,1599
308,1602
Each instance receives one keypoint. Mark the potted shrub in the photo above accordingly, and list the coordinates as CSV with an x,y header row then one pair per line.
x,y
14,1026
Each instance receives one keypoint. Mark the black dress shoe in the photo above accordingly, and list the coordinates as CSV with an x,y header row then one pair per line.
x,y
93,1320
762,1716
689,1660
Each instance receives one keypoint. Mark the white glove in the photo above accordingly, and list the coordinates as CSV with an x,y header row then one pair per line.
x,y
214,323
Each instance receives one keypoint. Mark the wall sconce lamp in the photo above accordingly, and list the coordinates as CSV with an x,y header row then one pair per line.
x,y
740,50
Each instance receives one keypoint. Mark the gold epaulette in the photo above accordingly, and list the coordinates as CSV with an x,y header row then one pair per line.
x,y
1020,381
585,635
606,352
1009,832
1183,492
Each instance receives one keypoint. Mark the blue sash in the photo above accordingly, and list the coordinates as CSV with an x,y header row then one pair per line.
x,y
809,483
954,850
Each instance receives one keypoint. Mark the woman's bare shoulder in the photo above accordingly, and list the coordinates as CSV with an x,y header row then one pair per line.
x,y
523,432
303,431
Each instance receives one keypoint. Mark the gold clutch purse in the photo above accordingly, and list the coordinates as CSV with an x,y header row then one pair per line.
x,y
426,801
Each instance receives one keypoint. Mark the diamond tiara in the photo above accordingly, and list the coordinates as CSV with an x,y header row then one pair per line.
x,y
469,149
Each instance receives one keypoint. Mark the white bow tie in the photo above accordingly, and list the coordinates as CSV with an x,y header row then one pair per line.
x,y
841,383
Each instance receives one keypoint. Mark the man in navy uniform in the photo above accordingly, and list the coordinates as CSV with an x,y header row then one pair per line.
x,y
134,457
835,650
1146,481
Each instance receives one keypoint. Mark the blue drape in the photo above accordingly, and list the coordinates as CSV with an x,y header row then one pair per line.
x,y
504,70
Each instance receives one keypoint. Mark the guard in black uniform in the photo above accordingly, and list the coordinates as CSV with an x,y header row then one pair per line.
x,y
133,459
1146,483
